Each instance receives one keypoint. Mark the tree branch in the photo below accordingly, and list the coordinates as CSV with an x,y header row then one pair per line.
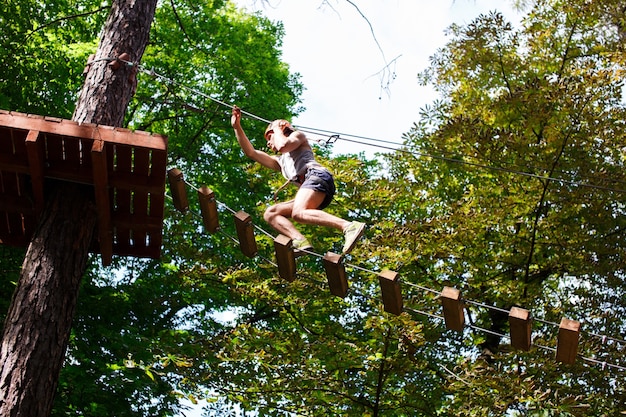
x,y
70,17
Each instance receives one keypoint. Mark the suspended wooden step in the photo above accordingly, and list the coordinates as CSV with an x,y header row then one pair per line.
x,y
208,208
336,274
520,325
453,314
567,342
178,189
245,233
390,289
285,258
126,168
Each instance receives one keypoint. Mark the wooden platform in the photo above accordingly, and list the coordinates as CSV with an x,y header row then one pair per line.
x,y
126,168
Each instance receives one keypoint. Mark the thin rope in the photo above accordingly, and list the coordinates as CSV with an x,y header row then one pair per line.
x,y
402,147
426,289
604,338
420,287
170,81
424,313
562,181
604,364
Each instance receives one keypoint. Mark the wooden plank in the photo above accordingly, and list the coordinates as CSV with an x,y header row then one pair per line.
x,y
178,189
453,314
103,203
390,288
149,227
131,221
245,233
123,160
143,183
6,140
19,147
63,150
139,139
5,233
567,342
71,147
17,209
15,226
54,151
16,204
208,208
285,258
77,175
122,165
141,167
11,143
9,163
336,274
85,153
520,324
64,127
158,163
37,164
158,168
154,240
4,216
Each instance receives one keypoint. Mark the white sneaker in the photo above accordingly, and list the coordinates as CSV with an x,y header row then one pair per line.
x,y
300,246
352,234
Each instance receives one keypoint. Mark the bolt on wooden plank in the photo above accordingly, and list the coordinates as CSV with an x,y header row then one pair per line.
x,y
567,341
520,324
285,258
390,288
178,189
336,274
245,233
208,208
453,314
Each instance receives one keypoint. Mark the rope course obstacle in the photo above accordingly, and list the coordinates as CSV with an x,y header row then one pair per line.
x,y
452,302
125,168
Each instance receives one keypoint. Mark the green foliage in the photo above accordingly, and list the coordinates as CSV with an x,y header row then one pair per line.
x,y
515,200
525,209
43,49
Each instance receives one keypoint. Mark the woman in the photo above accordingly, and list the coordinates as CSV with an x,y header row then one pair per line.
x,y
296,161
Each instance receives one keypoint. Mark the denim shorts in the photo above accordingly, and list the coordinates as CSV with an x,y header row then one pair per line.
x,y
322,181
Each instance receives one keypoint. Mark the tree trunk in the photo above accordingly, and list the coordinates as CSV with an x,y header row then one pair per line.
x,y
39,319
38,324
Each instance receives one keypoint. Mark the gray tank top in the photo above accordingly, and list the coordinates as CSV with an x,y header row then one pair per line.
x,y
297,162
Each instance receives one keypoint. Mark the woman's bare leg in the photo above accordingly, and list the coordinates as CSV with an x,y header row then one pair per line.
x,y
305,210
278,216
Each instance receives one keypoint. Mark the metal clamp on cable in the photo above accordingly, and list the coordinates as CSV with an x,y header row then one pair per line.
x,y
331,140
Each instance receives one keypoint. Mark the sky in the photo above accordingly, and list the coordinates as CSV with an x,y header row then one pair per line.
x,y
333,48
340,59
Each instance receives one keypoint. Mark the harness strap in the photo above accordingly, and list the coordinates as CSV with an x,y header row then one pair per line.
x,y
282,187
